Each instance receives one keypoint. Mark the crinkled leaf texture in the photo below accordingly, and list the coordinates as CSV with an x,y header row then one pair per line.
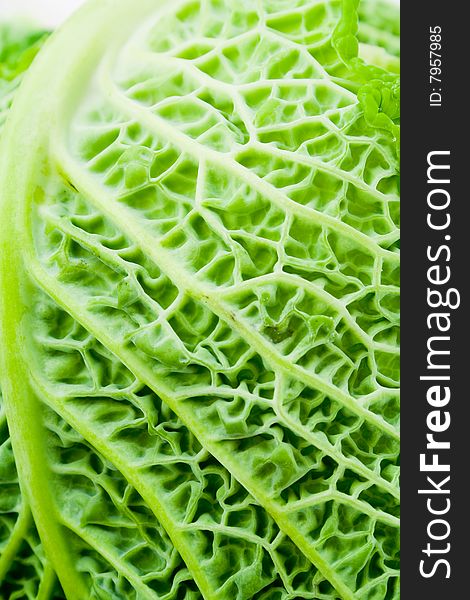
x,y
199,307
379,25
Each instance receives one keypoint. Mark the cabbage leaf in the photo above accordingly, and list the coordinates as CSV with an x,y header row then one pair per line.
x,y
199,279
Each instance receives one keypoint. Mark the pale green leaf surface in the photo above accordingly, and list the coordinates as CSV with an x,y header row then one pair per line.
x,y
25,573
379,24
19,45
201,264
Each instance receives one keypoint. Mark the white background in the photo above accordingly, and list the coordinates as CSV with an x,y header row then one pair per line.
x,y
47,13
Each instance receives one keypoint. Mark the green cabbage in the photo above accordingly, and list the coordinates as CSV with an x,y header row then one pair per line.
x,y
199,307
19,44
379,25
25,572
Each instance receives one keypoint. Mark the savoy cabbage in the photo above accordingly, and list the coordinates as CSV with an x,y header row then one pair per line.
x,y
19,44
199,304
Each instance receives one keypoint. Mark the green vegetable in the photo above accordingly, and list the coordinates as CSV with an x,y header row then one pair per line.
x,y
19,44
379,33
25,572
379,24
199,307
